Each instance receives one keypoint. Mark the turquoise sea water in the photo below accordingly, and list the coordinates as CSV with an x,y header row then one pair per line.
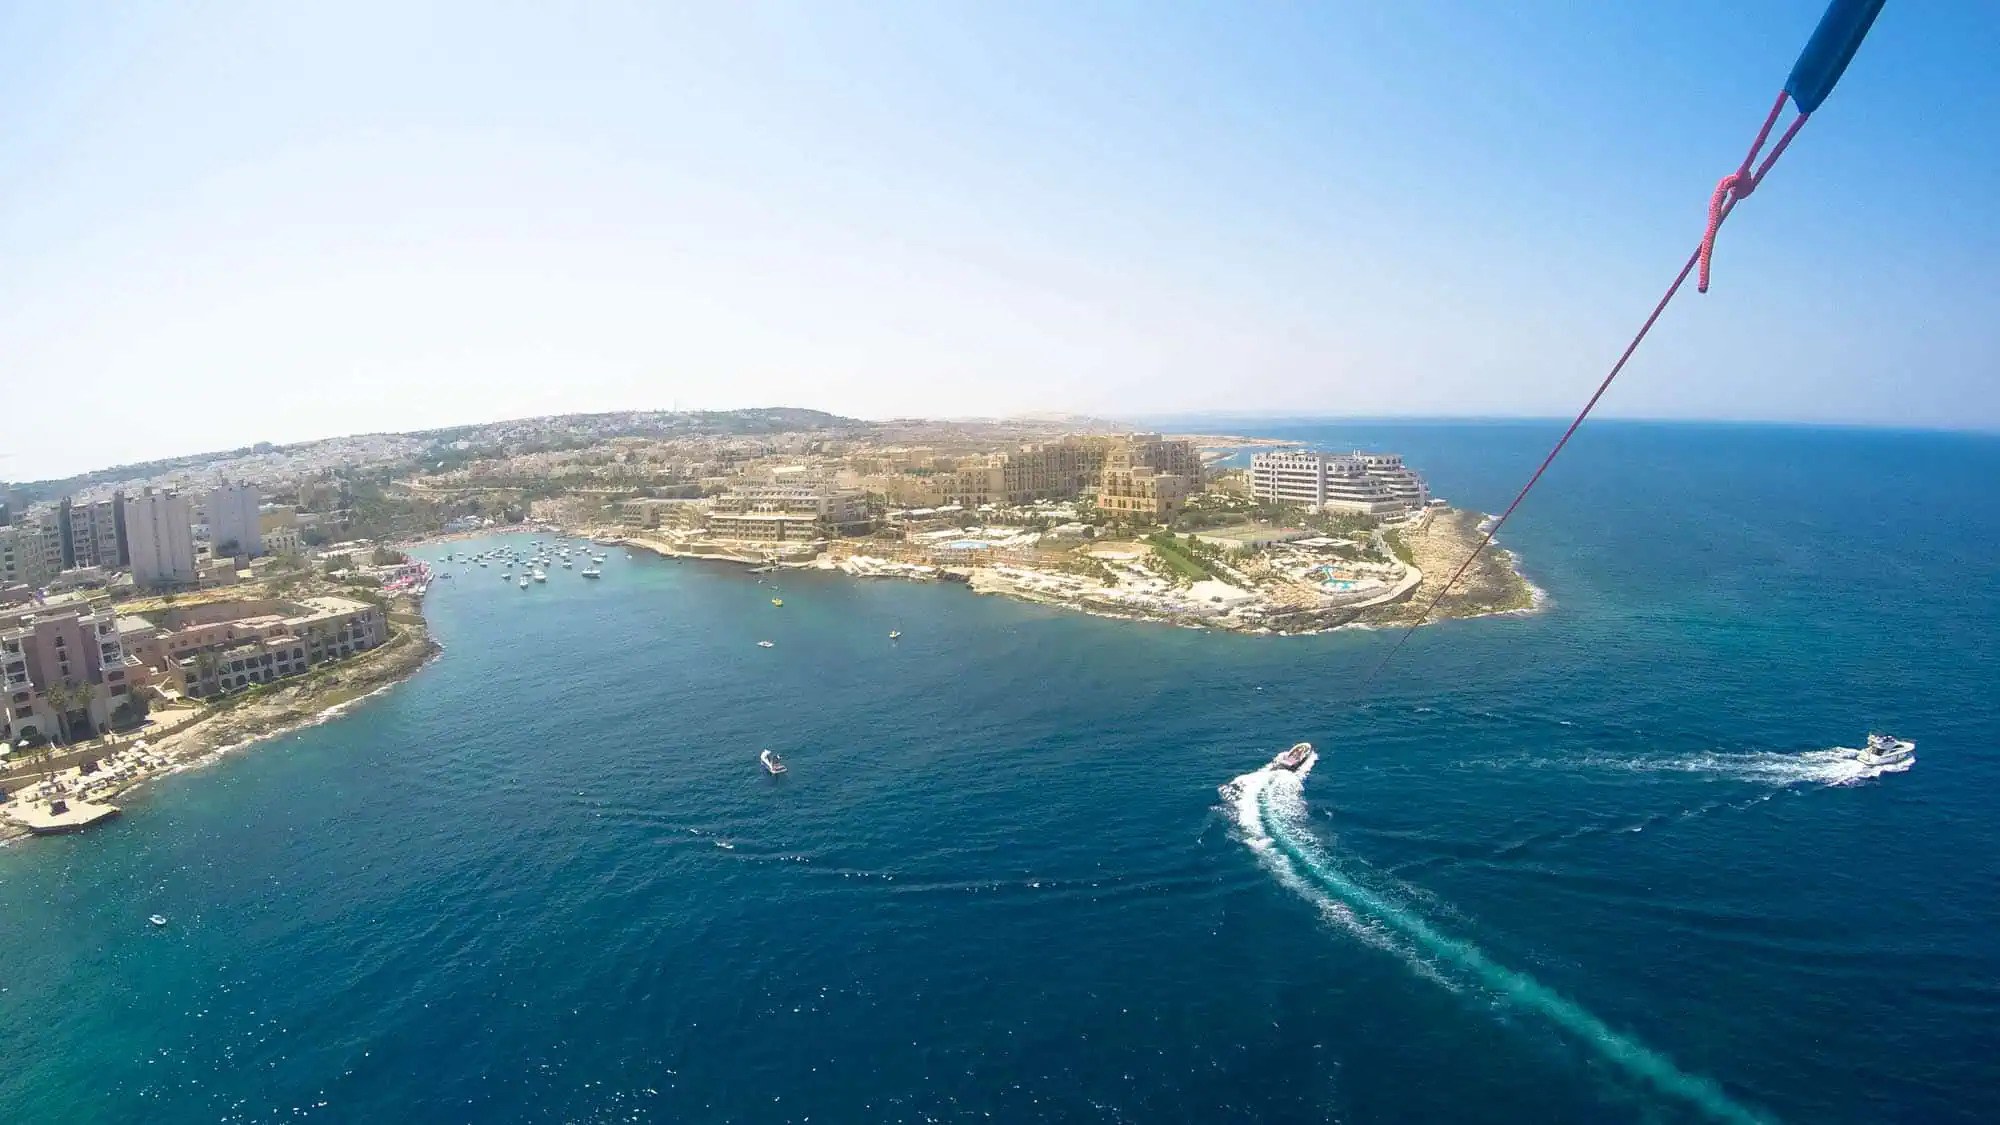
x,y
1592,865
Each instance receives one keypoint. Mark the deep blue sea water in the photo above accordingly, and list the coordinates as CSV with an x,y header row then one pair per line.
x,y
1592,865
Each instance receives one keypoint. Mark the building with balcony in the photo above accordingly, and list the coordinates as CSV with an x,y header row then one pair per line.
x,y
1176,456
93,532
31,549
228,648
1130,492
1051,470
1369,483
46,655
785,513
654,512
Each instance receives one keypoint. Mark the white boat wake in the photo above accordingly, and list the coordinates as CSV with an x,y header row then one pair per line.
x,y
1835,766
1269,809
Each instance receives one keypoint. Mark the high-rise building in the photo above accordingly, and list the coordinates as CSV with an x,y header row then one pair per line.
x,y
232,520
93,532
160,527
31,548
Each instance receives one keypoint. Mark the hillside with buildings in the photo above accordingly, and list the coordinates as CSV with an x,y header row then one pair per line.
x,y
232,575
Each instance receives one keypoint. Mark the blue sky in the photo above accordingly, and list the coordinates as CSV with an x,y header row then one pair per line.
x,y
228,223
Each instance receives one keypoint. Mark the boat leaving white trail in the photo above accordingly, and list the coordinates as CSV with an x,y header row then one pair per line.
x,y
1268,806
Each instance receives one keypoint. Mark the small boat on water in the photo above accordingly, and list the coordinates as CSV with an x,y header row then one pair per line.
x,y
524,583
1295,759
894,633
158,919
591,572
778,601
773,764
763,644
541,576
1885,749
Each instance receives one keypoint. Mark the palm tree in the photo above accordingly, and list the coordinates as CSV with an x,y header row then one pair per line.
x,y
67,697
205,665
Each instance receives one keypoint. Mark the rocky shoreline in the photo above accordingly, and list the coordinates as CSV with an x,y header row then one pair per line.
x,y
1431,549
315,697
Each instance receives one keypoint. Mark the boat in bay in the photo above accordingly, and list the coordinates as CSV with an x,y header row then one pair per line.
x,y
1885,749
1297,759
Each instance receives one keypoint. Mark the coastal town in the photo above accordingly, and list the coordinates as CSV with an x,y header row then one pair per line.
x,y
154,614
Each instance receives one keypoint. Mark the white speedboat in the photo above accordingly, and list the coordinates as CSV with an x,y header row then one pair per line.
x,y
1295,759
158,919
539,576
591,572
524,583
1883,749
763,644
773,764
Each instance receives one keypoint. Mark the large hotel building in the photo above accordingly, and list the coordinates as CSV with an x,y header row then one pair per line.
x,y
1371,483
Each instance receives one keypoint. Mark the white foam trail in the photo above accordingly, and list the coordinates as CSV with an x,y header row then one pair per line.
x,y
1839,765
1243,798
1834,766
1269,809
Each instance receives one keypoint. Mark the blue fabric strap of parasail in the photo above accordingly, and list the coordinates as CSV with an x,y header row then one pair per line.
x,y
1830,49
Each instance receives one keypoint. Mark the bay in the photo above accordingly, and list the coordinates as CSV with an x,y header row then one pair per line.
x,y
1592,864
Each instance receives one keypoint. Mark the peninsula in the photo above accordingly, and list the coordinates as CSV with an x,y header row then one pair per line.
x,y
153,614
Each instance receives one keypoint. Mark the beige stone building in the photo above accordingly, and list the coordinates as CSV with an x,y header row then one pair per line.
x,y
1131,492
1176,456
655,512
1053,470
784,513
221,654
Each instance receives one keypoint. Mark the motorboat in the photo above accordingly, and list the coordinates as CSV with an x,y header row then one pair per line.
x,y
1297,759
1884,749
894,633
778,602
524,583
591,572
773,764
541,576
763,644
158,919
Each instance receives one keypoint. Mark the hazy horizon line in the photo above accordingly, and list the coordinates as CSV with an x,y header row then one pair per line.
x,y
1186,422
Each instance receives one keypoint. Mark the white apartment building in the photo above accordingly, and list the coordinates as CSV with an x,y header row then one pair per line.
x,y
1371,483
159,526
232,518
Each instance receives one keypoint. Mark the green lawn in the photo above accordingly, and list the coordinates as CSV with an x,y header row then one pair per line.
x,y
1177,557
